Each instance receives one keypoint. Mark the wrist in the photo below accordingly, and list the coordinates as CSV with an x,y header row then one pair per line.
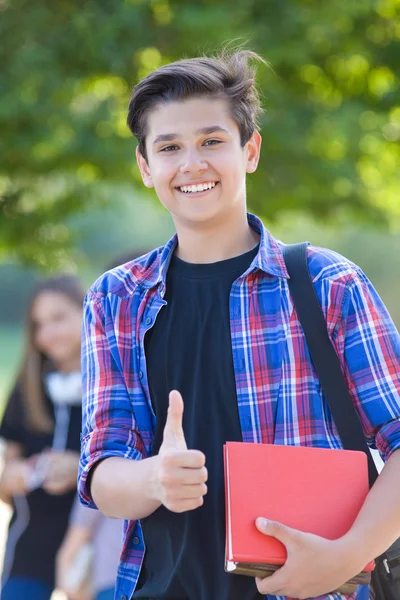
x,y
355,550
154,489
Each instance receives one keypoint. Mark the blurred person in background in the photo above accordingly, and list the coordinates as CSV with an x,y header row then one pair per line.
x,y
91,529
41,429
92,546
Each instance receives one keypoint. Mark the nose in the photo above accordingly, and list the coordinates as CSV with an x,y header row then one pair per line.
x,y
192,162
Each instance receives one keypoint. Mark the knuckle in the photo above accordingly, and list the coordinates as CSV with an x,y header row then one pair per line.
x,y
172,506
167,461
169,478
278,527
170,498
198,458
261,586
165,477
180,507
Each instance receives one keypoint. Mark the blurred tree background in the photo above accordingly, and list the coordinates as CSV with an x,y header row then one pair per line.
x,y
70,192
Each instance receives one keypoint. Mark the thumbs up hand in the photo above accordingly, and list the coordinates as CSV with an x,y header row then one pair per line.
x,y
181,473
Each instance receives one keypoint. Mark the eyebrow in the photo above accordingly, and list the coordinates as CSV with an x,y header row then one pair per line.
x,y
168,137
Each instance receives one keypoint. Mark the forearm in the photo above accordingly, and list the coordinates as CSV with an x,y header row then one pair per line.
x,y
378,523
125,489
75,537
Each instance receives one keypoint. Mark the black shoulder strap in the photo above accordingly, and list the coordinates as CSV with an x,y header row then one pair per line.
x,y
323,353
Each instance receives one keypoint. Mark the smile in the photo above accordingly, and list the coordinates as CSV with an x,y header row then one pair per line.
x,y
195,189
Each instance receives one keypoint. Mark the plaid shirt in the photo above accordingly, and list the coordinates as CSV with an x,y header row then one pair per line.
x,y
279,396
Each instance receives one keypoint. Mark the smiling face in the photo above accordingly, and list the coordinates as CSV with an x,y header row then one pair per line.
x,y
195,160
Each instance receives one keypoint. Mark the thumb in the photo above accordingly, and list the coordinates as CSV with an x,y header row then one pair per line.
x,y
174,437
275,529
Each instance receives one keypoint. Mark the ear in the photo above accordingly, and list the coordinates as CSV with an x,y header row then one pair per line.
x,y
144,169
253,148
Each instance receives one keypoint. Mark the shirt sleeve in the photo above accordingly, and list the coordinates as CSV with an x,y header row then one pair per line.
x,y
368,345
108,421
12,425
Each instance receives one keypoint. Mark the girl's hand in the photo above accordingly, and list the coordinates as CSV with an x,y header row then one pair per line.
x,y
61,472
13,481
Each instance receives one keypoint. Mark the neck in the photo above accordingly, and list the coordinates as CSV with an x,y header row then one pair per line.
x,y
208,243
69,365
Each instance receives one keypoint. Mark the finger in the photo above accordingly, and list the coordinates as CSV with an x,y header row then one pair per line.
x,y
271,585
189,492
181,506
275,529
191,476
190,459
54,487
174,436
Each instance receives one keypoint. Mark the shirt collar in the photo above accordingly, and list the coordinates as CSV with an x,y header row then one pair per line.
x,y
269,257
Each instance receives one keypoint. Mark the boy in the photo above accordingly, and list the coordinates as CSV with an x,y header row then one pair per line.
x,y
197,343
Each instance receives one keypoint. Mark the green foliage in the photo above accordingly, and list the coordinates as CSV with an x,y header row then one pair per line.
x,y
331,127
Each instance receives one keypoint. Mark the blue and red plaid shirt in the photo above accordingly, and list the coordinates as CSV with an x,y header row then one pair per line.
x,y
279,396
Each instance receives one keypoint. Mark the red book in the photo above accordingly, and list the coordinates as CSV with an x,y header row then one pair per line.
x,y
316,490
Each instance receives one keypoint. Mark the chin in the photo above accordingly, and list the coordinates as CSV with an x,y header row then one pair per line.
x,y
201,214
59,357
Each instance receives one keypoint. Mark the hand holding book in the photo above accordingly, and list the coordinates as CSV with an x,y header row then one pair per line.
x,y
314,565
181,473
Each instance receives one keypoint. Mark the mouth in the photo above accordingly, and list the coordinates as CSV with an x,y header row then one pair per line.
x,y
197,189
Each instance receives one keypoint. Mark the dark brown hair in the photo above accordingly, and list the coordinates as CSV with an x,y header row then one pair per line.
x,y
228,75
34,362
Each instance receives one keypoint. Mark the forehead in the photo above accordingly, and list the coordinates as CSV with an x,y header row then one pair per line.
x,y
50,302
184,117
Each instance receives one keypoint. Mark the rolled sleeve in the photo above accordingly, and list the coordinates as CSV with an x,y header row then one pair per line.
x,y
388,438
108,421
368,345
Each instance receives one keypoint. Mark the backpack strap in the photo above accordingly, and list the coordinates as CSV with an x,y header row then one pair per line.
x,y
323,353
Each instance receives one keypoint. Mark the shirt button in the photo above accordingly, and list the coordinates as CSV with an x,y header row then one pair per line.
x,y
140,374
148,320
123,597
136,540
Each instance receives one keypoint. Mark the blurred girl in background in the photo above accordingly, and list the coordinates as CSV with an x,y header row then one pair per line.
x,y
41,428
91,536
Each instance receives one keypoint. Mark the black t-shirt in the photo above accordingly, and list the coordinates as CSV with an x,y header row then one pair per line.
x,y
39,520
189,349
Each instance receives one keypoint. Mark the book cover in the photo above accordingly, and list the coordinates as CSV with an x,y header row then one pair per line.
x,y
315,490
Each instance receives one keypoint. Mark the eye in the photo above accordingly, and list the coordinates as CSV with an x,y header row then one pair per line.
x,y
212,142
169,148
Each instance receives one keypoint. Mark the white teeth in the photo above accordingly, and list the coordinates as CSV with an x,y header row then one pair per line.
x,y
201,187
